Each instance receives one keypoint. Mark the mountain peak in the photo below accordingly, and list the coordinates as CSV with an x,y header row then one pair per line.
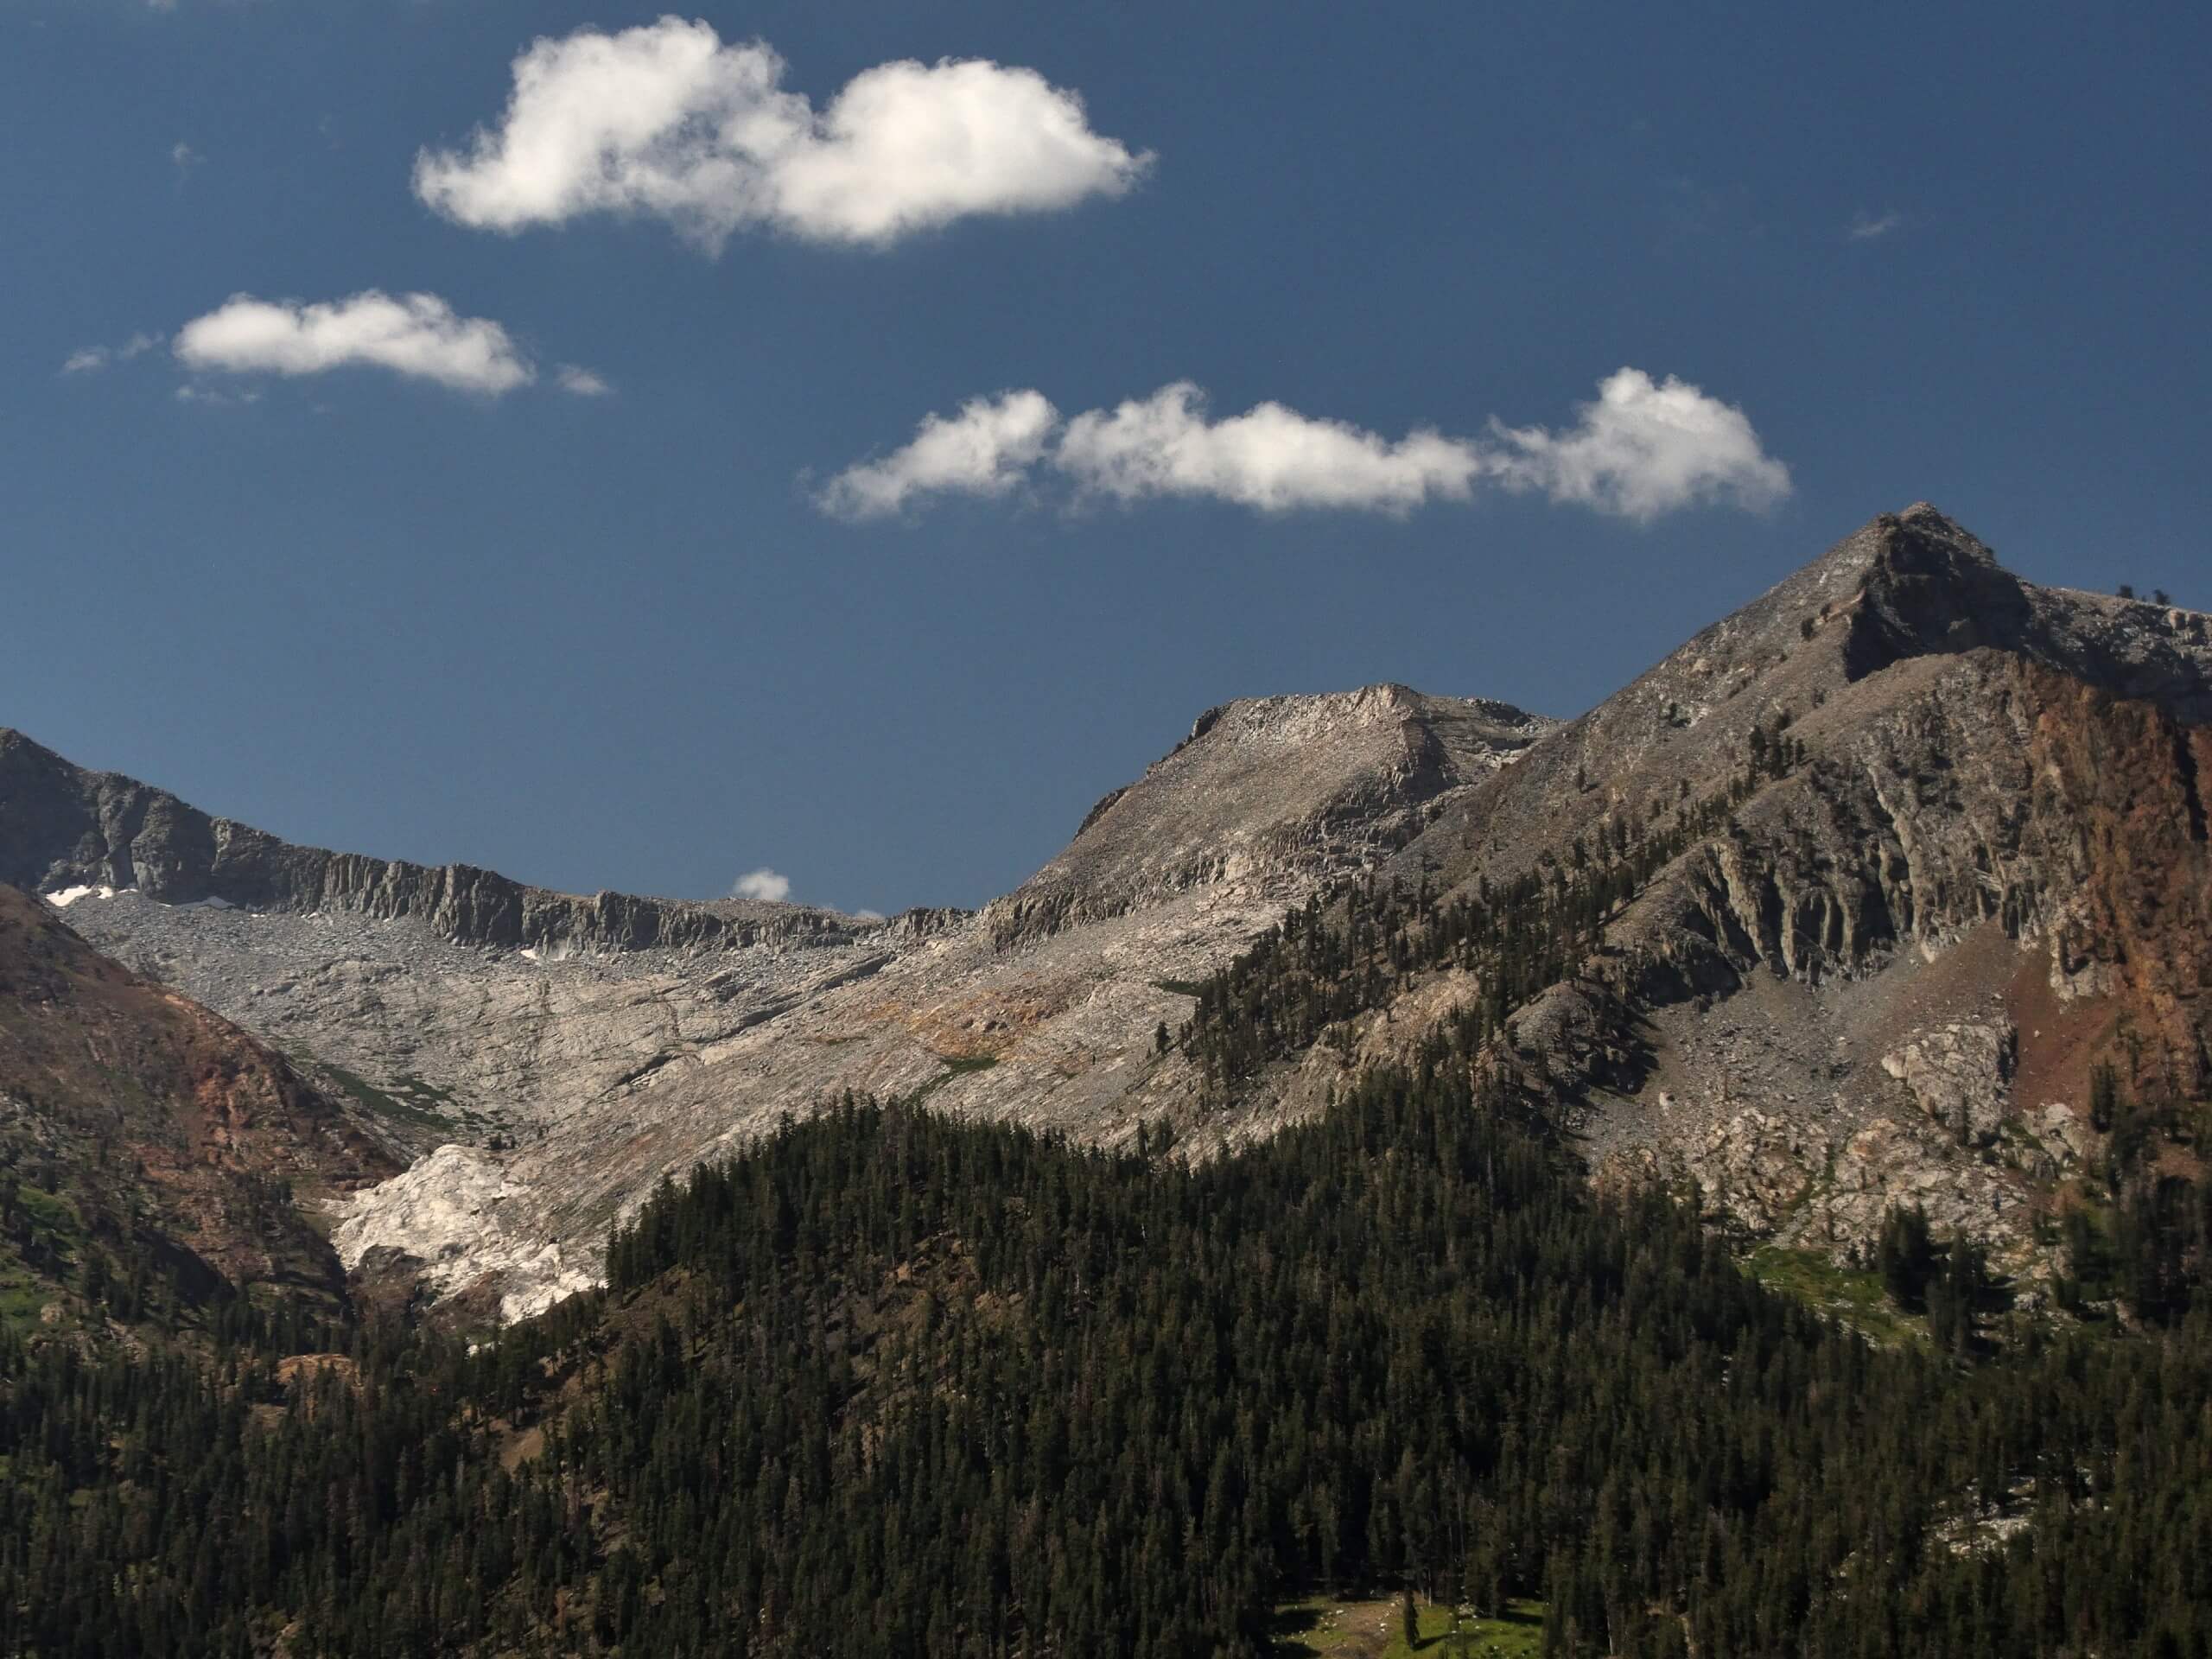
x,y
1932,585
1267,788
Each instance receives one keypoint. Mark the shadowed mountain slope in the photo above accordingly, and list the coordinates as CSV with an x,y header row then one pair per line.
x,y
153,1150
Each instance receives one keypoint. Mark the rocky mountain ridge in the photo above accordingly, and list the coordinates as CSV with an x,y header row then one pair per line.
x,y
555,1081
1978,871
1960,864
63,828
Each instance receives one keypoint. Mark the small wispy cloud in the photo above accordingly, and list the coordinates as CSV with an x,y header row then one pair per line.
x,y
92,359
1868,227
184,158
763,884
1643,448
580,382
417,336
193,392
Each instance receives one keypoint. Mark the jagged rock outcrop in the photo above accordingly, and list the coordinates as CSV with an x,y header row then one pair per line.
x,y
62,827
452,1220
1960,1074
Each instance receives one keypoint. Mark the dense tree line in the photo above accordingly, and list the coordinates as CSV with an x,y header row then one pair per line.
x,y
890,1383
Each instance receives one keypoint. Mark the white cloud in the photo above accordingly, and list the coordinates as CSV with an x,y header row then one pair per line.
x,y
1640,449
764,884
985,449
580,382
93,358
192,393
417,335
867,916
1270,457
184,157
1645,449
1865,227
666,120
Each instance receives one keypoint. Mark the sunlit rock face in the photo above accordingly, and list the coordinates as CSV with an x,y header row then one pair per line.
x,y
547,1059
1883,979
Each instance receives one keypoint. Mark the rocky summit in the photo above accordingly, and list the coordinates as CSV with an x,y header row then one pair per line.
x,y
1919,853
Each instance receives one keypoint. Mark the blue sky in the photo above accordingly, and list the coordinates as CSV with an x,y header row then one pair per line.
x,y
365,597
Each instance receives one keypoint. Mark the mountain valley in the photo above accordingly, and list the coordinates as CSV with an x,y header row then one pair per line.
x,y
1726,1164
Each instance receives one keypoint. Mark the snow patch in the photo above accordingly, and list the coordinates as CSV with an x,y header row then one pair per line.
x,y
62,897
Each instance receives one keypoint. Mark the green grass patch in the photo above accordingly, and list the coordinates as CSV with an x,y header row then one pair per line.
x,y
421,1091
49,1212
1371,1630
409,1100
1850,1295
960,1067
21,1301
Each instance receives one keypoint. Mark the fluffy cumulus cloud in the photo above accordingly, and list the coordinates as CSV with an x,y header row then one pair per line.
x,y
416,335
763,883
666,120
987,448
1270,457
1642,448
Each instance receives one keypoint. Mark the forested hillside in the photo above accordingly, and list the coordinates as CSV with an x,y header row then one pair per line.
x,y
888,1383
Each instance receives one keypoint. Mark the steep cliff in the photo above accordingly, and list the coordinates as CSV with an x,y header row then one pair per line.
x,y
63,828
